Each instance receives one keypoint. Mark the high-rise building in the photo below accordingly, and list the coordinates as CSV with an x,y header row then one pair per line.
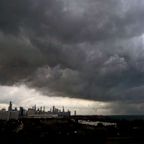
x,y
75,112
10,106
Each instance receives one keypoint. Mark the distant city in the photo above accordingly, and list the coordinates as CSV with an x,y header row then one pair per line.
x,y
33,112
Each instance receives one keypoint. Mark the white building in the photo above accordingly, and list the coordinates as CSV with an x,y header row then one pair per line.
x,y
31,112
3,115
13,115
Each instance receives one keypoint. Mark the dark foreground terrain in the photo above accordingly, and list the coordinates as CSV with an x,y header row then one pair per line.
x,y
32,131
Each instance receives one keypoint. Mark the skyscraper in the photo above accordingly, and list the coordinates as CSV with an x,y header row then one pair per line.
x,y
10,106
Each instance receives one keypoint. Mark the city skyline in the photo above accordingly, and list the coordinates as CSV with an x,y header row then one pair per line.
x,y
14,113
30,98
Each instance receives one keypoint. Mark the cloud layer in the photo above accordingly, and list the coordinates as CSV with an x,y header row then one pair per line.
x,y
89,49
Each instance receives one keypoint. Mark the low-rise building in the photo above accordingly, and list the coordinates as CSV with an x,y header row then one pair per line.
x,y
3,115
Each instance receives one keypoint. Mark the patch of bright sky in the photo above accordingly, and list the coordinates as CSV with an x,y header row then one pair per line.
x,y
75,7
26,97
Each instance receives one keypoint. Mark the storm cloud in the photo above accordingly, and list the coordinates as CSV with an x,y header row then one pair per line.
x,y
89,49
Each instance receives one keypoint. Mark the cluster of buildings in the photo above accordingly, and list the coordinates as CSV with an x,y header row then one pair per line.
x,y
32,113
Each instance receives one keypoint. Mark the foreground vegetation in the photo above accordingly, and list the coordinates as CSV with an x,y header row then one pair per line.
x,y
29,131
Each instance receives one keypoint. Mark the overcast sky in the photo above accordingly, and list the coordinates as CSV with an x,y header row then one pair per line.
x,y
87,54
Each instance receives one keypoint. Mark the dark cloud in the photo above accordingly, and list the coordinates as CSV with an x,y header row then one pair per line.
x,y
91,49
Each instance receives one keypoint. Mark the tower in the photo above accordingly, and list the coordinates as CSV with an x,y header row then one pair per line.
x,y
9,110
10,106
63,109
44,108
53,109
75,113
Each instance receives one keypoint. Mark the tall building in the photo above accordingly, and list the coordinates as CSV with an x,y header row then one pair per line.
x,y
75,112
63,109
10,106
